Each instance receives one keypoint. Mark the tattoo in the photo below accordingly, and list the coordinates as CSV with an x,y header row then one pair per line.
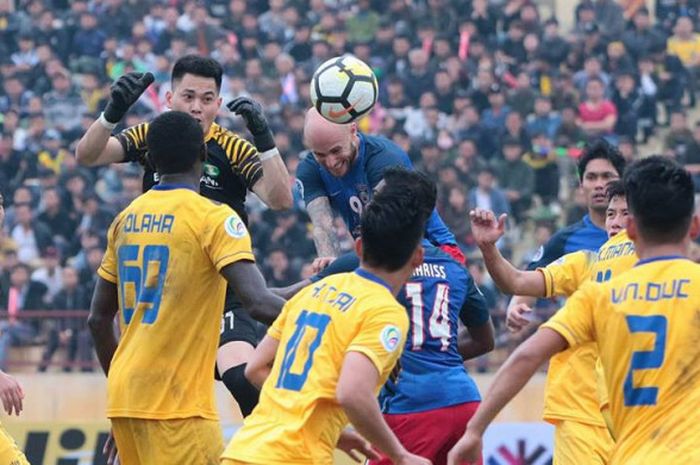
x,y
321,215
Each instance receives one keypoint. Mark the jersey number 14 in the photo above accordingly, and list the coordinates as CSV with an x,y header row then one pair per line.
x,y
438,321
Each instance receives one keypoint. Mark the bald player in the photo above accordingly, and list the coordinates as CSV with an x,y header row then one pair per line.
x,y
340,173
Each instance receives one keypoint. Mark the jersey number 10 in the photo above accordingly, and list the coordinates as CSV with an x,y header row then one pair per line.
x,y
299,352
146,279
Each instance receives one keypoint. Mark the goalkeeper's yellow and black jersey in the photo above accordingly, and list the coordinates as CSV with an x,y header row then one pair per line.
x,y
232,167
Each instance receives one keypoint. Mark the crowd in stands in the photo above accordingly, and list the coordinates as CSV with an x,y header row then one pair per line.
x,y
491,98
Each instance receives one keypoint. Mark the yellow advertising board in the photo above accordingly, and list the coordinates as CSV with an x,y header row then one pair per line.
x,y
64,424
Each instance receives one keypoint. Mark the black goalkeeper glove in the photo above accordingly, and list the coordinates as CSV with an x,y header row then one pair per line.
x,y
255,121
124,93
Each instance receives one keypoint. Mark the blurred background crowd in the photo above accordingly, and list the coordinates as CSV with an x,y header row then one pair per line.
x,y
494,99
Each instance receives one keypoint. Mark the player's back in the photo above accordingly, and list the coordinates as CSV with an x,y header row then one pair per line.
x,y
572,391
164,248
648,331
298,419
439,293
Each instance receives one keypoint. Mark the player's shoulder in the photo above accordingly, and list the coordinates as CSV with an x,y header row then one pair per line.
x,y
567,231
379,145
227,139
308,165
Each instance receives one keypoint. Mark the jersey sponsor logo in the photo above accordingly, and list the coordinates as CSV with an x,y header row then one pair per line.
x,y
538,256
210,182
211,170
300,187
390,337
234,227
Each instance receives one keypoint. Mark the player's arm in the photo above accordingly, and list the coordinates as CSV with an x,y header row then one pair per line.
x,y
509,380
343,264
487,230
477,336
98,147
273,187
326,242
355,393
103,309
258,368
473,341
249,286
291,290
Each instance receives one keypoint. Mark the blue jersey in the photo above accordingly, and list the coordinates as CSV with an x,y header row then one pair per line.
x,y
350,194
432,375
582,235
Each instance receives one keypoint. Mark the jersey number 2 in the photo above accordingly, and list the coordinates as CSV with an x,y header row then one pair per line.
x,y
304,341
439,320
645,359
146,279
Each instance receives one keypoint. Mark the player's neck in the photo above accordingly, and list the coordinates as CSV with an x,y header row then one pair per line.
x,y
394,279
190,180
647,251
597,217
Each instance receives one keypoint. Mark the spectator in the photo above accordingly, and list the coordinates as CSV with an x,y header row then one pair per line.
x,y
70,333
628,103
49,274
596,115
641,39
22,295
278,272
542,158
544,120
487,196
89,39
685,44
363,25
15,96
32,237
63,106
679,137
516,178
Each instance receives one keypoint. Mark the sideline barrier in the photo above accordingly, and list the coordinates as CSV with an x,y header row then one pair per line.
x,y
63,422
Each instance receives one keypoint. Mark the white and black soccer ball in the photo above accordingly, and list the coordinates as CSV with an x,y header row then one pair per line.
x,y
343,89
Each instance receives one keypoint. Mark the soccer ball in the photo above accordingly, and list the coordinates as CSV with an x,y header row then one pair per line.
x,y
343,89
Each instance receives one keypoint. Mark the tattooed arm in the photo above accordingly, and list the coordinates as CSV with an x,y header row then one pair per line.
x,y
327,247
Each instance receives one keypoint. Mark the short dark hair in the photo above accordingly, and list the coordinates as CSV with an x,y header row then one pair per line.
x,y
199,66
393,223
424,189
600,148
615,188
661,197
175,140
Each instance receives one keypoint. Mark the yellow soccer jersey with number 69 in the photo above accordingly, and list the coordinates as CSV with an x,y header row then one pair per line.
x,y
164,253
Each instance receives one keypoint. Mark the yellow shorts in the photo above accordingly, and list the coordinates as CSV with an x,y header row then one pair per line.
x,y
188,441
579,443
10,454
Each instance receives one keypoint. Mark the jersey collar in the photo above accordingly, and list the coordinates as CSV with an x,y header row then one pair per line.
x,y
587,220
372,277
660,258
169,187
213,129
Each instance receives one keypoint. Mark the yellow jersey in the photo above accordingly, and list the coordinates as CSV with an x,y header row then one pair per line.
x,y
298,420
164,253
572,390
646,324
